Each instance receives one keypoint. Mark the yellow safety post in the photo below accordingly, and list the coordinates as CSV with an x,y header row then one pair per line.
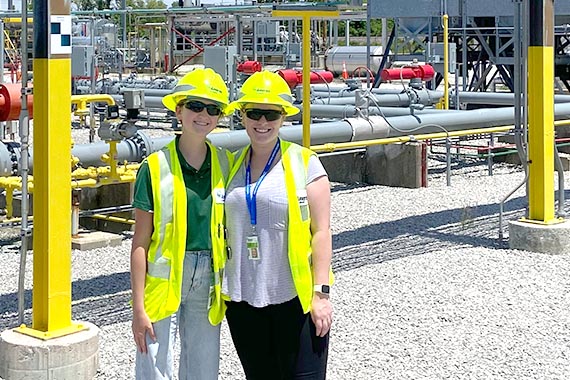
x,y
541,112
306,13
51,305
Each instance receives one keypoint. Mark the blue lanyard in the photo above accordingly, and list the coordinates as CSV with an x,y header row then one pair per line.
x,y
249,195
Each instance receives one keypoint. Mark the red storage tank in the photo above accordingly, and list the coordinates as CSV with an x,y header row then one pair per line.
x,y
295,77
249,67
11,102
424,72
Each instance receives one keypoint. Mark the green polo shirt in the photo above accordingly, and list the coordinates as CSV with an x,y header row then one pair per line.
x,y
198,196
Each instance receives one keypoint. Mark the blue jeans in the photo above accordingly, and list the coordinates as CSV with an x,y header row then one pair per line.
x,y
199,340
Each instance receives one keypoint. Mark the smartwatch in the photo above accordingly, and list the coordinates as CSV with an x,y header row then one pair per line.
x,y
325,289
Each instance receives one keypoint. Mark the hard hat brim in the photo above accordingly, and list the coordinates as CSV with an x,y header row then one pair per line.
x,y
170,101
289,109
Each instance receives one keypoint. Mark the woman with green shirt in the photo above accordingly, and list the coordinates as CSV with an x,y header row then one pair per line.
x,y
178,249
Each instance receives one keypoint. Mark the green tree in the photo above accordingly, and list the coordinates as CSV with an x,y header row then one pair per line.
x,y
137,19
86,4
146,4
358,28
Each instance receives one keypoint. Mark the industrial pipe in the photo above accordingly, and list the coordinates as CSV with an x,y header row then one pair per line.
x,y
350,129
334,89
153,96
81,101
11,102
497,98
346,111
425,97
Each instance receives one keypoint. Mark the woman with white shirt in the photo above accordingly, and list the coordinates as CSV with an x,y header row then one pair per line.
x,y
277,276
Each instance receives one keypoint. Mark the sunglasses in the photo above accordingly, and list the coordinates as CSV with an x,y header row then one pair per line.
x,y
197,106
256,114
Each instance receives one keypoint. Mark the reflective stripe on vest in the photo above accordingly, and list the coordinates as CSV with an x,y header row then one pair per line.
x,y
221,161
296,159
157,268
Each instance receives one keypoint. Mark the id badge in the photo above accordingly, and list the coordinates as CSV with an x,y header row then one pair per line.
x,y
220,196
253,248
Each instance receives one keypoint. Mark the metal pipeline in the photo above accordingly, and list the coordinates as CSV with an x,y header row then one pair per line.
x,y
346,111
80,178
350,129
149,101
424,97
399,99
348,90
498,98
153,98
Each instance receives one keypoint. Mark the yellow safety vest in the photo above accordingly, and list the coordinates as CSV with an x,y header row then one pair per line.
x,y
166,252
295,161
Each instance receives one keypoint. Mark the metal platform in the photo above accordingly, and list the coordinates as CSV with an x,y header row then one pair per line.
x,y
482,31
455,8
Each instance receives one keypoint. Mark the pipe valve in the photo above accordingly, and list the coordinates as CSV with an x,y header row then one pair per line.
x,y
116,131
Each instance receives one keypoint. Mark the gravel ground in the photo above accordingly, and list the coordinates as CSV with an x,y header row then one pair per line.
x,y
424,288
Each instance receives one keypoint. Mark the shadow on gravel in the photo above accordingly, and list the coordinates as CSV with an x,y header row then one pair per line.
x,y
419,234
102,300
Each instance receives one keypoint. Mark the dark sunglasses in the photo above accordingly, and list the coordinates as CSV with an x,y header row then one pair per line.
x,y
256,114
197,106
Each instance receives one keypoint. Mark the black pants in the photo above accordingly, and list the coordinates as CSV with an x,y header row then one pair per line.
x,y
277,341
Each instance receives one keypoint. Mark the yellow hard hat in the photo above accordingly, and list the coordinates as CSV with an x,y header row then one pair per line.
x,y
200,83
265,87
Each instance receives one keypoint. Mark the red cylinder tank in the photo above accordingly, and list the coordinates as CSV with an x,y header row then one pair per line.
x,y
249,67
295,77
424,72
11,102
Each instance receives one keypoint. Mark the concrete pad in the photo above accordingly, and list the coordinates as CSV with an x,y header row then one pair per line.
x,y
397,165
70,357
553,239
347,168
95,239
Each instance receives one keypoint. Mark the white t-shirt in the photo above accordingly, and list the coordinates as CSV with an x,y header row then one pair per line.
x,y
267,281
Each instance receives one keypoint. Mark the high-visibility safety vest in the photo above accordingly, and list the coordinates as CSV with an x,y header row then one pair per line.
x,y
295,161
165,259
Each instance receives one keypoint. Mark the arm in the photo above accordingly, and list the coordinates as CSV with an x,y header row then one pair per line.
x,y
319,198
141,240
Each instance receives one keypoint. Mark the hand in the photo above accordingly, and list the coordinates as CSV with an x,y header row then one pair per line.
x,y
141,326
321,313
